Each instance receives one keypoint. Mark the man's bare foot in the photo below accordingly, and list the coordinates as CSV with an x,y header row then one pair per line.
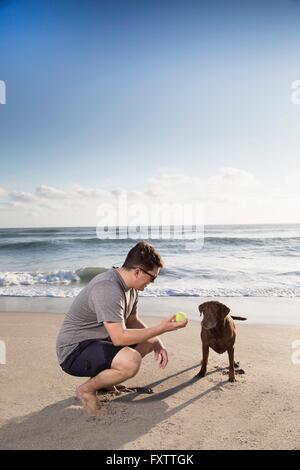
x,y
88,400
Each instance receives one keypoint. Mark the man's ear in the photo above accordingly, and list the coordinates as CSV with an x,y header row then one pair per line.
x,y
136,272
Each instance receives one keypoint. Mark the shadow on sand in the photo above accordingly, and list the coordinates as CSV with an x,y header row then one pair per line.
x,y
65,425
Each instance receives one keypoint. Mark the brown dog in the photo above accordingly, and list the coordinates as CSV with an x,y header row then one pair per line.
x,y
218,332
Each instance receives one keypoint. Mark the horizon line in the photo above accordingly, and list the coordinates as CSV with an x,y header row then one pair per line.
x,y
95,226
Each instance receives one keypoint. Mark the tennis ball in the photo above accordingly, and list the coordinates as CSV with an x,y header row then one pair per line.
x,y
180,316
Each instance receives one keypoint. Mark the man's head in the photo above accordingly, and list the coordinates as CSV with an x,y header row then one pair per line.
x,y
142,265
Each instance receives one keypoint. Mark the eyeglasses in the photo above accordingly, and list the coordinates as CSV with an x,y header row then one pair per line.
x,y
146,272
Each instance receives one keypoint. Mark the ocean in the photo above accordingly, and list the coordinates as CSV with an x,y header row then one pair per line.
x,y
230,261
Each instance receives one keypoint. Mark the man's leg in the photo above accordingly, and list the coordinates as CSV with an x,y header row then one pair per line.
x,y
125,365
143,348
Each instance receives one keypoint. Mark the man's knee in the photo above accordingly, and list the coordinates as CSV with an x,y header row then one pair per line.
x,y
127,361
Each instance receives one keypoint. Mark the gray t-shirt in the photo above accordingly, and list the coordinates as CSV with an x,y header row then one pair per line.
x,y
105,298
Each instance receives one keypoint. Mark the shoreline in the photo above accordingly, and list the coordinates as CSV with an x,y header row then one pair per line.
x,y
258,310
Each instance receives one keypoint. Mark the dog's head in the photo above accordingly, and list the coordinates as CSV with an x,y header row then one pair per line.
x,y
214,312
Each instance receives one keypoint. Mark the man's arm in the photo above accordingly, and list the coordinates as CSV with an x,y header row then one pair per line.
x,y
134,321
123,336
160,352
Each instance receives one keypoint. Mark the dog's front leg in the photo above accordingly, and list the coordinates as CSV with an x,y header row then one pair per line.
x,y
205,352
231,364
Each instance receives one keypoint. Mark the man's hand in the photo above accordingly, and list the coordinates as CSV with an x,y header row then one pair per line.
x,y
160,354
171,324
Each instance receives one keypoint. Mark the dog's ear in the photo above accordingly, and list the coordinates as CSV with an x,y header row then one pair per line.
x,y
201,307
225,310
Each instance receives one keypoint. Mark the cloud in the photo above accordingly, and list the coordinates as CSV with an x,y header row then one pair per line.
x,y
165,179
135,196
8,205
118,192
33,213
48,205
90,193
49,192
216,188
156,192
231,195
174,178
165,186
22,196
231,178
3,192
292,182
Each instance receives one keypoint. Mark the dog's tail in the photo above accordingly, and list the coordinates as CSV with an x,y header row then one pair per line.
x,y
238,318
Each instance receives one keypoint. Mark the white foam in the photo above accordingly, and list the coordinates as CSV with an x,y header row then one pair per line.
x,y
29,279
63,283
37,290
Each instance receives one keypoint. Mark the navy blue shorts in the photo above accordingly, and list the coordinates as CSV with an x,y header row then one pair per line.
x,y
91,357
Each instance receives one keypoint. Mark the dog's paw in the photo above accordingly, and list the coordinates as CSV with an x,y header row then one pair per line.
x,y
232,379
201,373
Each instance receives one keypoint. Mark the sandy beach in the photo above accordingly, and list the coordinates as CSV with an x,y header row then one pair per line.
x,y
259,411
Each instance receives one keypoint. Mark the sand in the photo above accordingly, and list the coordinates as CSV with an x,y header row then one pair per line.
x,y
38,409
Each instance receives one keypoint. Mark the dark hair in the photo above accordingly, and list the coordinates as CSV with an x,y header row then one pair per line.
x,y
143,255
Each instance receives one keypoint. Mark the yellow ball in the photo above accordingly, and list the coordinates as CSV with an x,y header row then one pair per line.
x,y
180,316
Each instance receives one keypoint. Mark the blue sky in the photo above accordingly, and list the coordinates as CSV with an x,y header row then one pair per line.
x,y
110,94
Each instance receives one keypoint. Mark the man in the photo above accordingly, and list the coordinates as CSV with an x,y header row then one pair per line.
x,y
102,336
